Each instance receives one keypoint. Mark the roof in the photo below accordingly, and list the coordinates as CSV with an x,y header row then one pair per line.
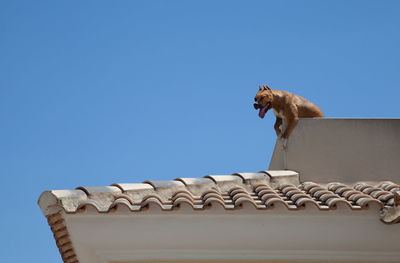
x,y
263,190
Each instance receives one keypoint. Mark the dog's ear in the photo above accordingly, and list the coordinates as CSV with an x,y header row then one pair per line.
x,y
259,88
266,87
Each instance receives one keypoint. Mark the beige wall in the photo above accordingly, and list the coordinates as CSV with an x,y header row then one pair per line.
x,y
246,234
237,261
345,150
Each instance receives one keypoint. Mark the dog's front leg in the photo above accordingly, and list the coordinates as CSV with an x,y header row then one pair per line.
x,y
292,122
278,123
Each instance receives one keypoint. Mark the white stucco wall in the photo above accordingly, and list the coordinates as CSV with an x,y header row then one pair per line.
x,y
346,150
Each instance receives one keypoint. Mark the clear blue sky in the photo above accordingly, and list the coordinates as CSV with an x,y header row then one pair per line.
x,y
99,92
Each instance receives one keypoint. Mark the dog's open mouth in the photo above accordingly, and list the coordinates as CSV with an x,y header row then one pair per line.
x,y
264,110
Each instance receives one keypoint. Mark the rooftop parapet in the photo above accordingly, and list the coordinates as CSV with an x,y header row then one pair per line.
x,y
345,150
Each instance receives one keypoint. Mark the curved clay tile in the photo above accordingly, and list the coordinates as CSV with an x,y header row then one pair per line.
x,y
163,184
286,188
250,176
52,202
194,181
272,202
371,190
133,187
226,183
266,196
391,215
283,177
125,197
334,186
303,201
357,196
99,190
136,192
262,187
334,202
212,201
289,192
236,190
266,191
213,195
156,196
151,200
241,195
345,189
165,189
185,194
385,197
376,194
101,197
197,186
183,200
385,184
125,203
390,202
327,196
366,202
254,179
348,193
307,186
282,186
239,202
315,190
94,204
319,193
362,186
225,178
393,188
297,196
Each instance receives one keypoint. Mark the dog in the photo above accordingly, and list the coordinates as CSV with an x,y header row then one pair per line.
x,y
288,108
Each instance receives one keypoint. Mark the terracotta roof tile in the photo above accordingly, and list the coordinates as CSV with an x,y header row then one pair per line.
x,y
254,179
69,200
283,177
165,184
226,182
134,192
231,192
133,187
197,186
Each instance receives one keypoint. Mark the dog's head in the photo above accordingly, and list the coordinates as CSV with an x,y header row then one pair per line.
x,y
263,100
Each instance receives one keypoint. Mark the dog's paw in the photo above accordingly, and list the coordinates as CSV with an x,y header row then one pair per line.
x,y
284,143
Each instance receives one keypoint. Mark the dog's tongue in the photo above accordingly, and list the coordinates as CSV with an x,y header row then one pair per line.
x,y
262,112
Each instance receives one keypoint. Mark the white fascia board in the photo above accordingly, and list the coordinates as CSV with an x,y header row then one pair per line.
x,y
257,255
250,234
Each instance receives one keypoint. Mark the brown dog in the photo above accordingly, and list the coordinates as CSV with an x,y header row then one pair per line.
x,y
288,108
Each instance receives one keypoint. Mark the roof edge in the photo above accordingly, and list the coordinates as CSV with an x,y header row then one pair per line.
x,y
52,202
392,215
48,203
62,238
